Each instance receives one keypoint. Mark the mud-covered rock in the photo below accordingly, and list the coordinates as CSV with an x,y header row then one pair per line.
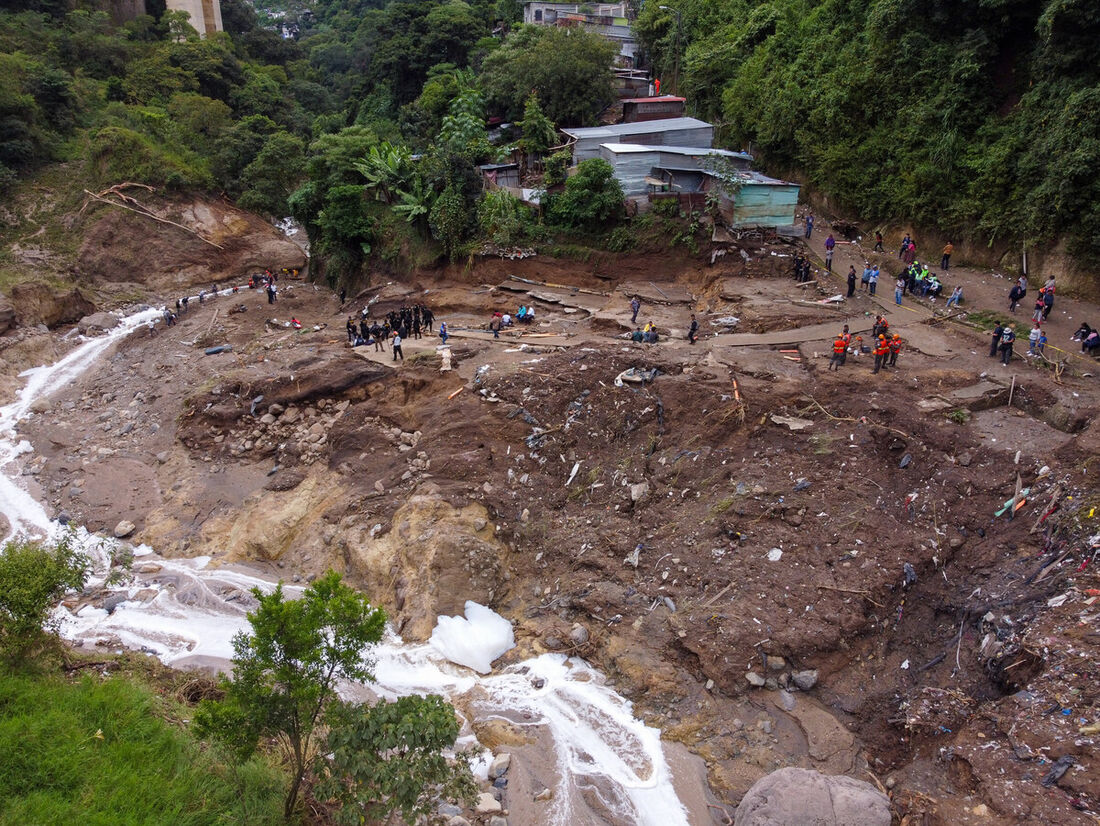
x,y
800,796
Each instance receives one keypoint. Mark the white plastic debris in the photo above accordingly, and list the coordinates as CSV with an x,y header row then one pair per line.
x,y
775,554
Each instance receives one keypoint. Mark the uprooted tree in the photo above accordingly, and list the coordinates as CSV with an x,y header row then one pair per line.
x,y
284,682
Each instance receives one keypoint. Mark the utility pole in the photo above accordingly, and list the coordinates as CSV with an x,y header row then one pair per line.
x,y
679,45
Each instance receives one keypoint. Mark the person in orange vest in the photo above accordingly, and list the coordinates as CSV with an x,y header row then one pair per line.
x,y
880,351
895,348
840,348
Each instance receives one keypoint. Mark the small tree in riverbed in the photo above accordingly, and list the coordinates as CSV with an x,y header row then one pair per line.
x,y
33,577
385,758
286,671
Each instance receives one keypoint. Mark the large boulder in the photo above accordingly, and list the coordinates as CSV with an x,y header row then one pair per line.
x,y
38,303
801,797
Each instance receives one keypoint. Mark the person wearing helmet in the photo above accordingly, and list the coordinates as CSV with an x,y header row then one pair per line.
x,y
840,346
880,351
895,348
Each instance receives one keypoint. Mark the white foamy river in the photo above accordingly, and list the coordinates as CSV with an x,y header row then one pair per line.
x,y
189,611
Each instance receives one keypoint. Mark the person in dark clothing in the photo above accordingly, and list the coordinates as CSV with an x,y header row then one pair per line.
x,y
350,327
998,331
416,325
343,296
635,305
693,331
1014,296
878,242
1048,303
364,330
428,317
851,281
379,336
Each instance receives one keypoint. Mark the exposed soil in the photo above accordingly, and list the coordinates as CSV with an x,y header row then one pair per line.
x,y
673,533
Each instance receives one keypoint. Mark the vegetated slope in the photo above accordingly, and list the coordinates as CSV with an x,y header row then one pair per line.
x,y
94,750
967,116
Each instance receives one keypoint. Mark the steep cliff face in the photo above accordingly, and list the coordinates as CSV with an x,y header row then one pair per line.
x,y
213,241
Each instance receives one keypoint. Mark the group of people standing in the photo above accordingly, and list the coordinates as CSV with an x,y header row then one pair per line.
x,y
395,327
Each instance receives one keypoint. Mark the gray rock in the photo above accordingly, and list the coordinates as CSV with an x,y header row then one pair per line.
x,y
113,601
809,798
787,701
639,491
965,459
290,415
776,663
578,634
458,820
488,805
805,680
497,820
755,679
124,528
448,809
499,766
97,323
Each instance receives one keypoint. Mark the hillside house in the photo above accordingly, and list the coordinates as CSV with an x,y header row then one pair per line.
x,y
663,107
643,169
669,132
609,20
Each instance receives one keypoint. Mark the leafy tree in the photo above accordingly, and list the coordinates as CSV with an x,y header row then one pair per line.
x,y
450,220
415,202
386,168
286,671
200,121
389,758
501,217
569,69
537,129
592,198
33,577
273,175
179,25
463,131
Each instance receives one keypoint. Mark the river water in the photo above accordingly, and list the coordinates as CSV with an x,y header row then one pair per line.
x,y
606,766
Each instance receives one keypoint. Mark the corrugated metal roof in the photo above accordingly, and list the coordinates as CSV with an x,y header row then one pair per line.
x,y
629,148
645,128
751,176
656,99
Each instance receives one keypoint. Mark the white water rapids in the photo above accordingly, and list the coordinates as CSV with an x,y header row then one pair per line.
x,y
190,612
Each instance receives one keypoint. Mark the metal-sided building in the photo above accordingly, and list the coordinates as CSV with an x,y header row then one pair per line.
x,y
663,107
671,132
759,202
677,168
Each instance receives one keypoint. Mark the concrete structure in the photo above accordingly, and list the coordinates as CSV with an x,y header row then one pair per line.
x,y
206,15
637,110
642,169
670,132
609,20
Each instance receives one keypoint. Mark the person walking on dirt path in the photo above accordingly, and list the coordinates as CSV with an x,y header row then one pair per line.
x,y
343,295
865,279
872,282
350,327
880,351
1007,338
1033,338
693,331
839,350
945,261
878,242
1039,307
998,331
397,351
830,245
443,331
851,281
899,288
895,348
1048,303
271,292
1014,296
809,221
635,306
904,246
428,317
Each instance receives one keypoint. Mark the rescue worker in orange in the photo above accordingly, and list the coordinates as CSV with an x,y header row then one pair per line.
x,y
880,352
840,349
895,348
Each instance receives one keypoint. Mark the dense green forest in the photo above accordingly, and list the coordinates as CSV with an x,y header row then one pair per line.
x,y
977,117
365,119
